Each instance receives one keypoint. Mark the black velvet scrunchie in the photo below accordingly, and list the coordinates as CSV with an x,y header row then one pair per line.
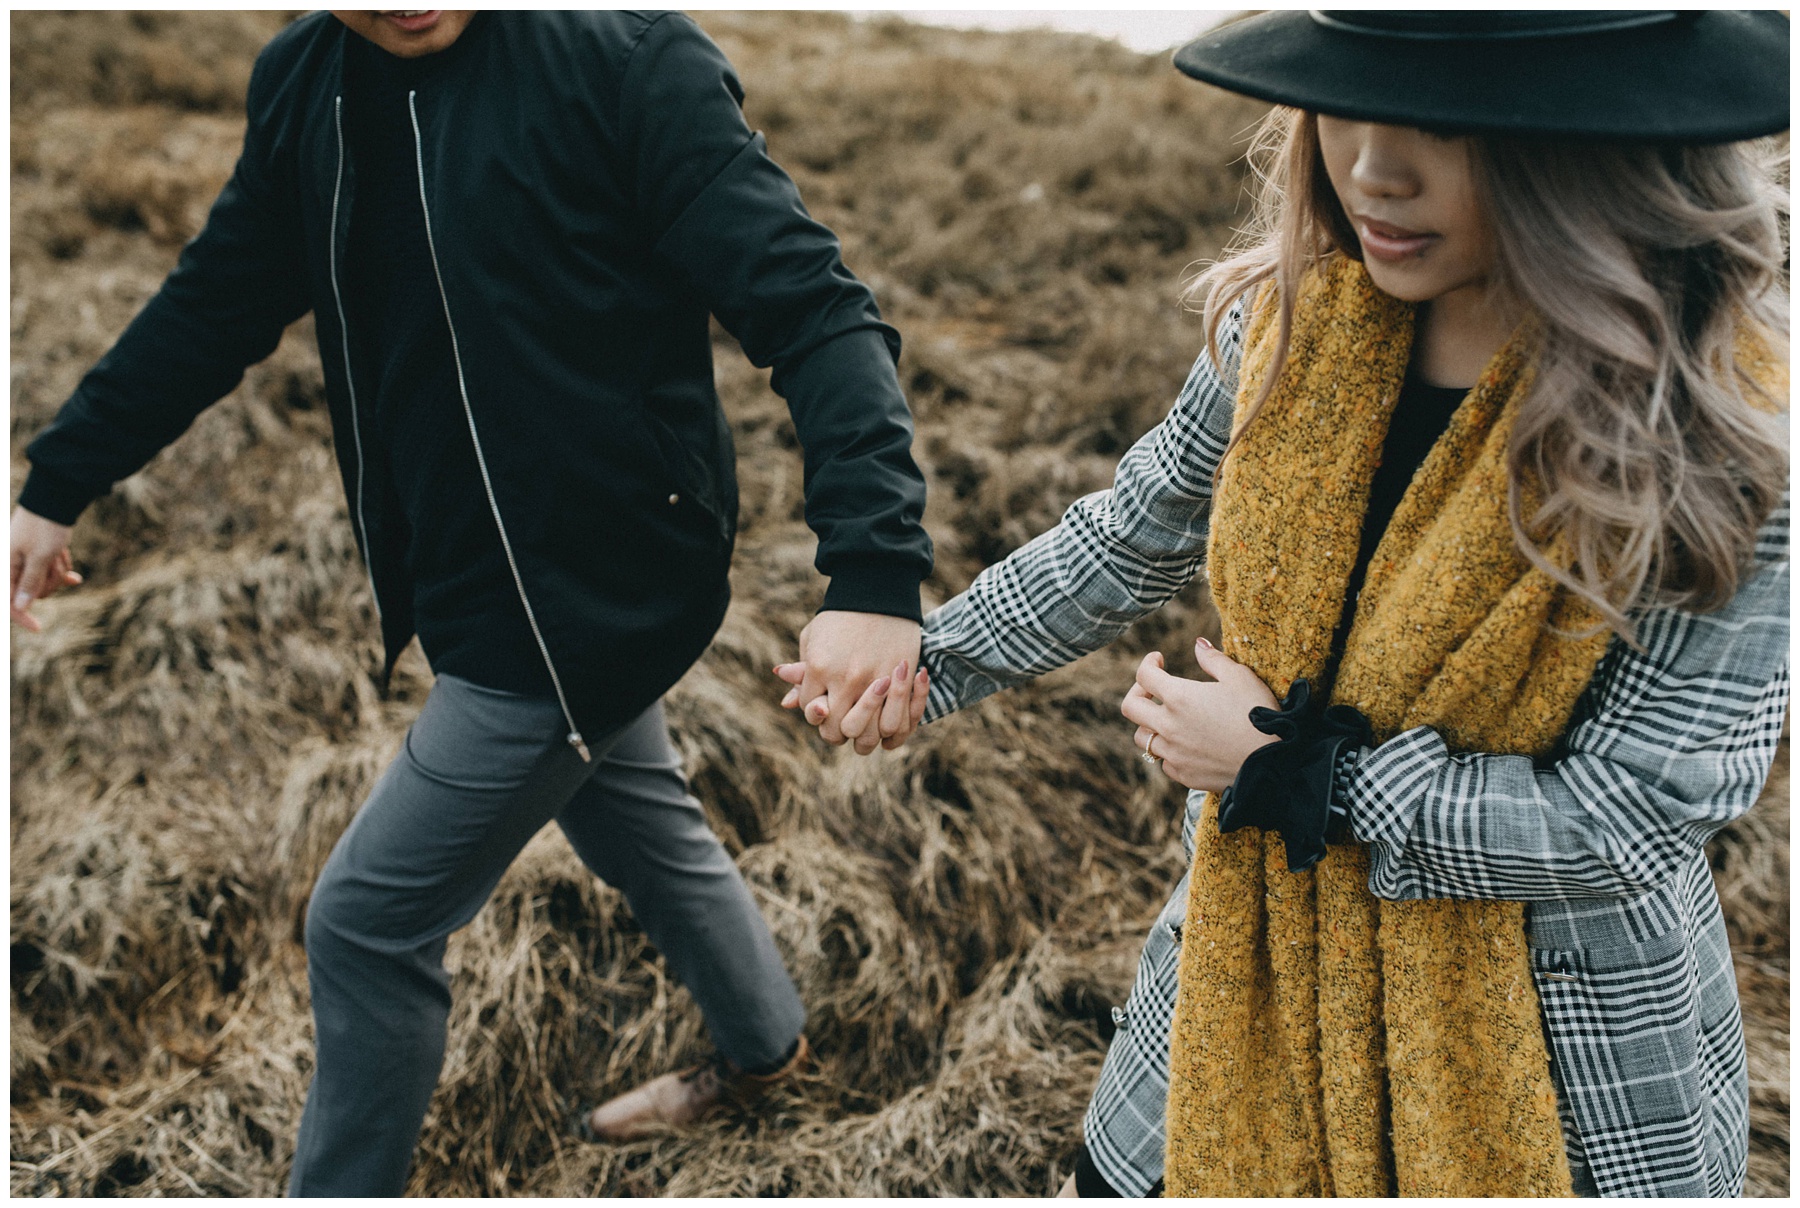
x,y
1285,786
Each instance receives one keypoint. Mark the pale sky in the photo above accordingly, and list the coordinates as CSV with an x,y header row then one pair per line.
x,y
1144,30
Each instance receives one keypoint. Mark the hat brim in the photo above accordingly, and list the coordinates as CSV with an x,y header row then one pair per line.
x,y
1711,77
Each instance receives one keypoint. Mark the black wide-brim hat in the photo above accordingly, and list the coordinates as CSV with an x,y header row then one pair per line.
x,y
1686,77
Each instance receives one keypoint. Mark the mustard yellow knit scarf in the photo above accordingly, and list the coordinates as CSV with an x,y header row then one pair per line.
x,y
1326,1043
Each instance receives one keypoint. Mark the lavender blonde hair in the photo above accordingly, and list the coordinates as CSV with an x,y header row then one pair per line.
x,y
1642,266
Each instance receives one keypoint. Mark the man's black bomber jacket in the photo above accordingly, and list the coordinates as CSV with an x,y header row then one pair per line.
x,y
592,193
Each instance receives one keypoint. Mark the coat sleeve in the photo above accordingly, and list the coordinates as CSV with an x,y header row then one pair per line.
x,y
731,222
1116,555
235,288
1671,742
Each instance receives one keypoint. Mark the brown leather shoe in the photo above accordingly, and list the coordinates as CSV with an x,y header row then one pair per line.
x,y
679,1099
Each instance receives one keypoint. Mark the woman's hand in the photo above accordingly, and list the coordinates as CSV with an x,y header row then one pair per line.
x,y
841,654
885,715
1201,731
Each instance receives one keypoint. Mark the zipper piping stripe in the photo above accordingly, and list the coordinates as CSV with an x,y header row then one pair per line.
x,y
349,378
462,385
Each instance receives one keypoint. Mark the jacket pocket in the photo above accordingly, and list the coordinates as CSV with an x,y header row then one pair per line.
x,y
693,483
1624,1032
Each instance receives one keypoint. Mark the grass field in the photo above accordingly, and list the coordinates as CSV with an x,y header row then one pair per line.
x,y
198,723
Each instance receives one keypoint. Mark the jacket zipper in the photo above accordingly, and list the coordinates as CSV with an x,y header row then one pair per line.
x,y
349,378
462,385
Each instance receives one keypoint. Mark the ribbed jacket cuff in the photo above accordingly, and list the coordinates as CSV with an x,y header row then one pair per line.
x,y
54,497
875,585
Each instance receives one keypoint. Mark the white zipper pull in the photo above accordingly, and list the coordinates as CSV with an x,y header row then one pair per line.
x,y
580,746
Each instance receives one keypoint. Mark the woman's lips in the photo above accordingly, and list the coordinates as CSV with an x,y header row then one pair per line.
x,y
1387,242
413,21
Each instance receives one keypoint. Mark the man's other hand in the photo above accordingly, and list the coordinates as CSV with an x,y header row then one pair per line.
x,y
843,654
41,565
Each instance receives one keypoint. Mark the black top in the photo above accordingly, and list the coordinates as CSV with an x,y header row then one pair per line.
x,y
1421,414
466,607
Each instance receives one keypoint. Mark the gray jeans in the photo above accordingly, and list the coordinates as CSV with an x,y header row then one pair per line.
x,y
480,773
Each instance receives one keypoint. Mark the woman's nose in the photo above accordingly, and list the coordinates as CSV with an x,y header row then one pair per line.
x,y
1382,167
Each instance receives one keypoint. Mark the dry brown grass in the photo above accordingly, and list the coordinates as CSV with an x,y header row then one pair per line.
x,y
197,724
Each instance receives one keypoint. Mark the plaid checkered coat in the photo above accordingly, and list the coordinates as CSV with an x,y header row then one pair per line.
x,y
1604,841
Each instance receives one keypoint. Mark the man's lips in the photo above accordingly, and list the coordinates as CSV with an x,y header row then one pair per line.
x,y
1384,241
413,21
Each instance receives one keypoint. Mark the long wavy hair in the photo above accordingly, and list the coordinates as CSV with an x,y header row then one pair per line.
x,y
1640,265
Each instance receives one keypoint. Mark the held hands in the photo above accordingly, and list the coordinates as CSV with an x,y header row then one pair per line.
x,y
854,679
1200,731
40,564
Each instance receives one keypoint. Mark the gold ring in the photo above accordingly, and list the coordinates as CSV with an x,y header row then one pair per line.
x,y
1149,755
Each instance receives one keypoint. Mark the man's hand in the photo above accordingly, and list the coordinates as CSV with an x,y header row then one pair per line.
x,y
1200,731
40,564
842,654
895,704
